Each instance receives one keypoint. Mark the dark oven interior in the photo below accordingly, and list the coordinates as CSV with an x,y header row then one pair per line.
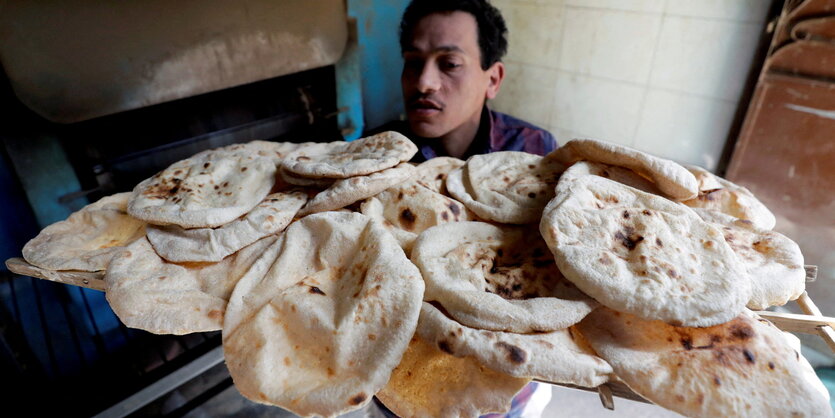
x,y
62,350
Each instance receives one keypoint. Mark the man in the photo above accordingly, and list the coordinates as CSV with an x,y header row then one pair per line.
x,y
452,52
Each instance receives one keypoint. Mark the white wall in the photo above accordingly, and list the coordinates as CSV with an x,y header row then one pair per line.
x,y
664,76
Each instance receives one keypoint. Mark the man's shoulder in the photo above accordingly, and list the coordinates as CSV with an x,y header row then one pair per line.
x,y
513,134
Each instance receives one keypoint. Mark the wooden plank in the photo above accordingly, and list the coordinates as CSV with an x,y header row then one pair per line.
x,y
807,324
825,332
90,280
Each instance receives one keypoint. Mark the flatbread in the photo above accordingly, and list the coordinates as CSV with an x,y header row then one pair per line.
x,y
433,173
206,190
149,293
88,239
716,193
621,175
466,389
296,180
552,356
643,254
773,261
670,177
508,186
212,245
410,208
744,367
344,192
349,159
499,278
320,322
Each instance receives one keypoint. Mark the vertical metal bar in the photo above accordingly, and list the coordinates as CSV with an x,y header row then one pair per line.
x,y
49,348
97,339
15,306
73,331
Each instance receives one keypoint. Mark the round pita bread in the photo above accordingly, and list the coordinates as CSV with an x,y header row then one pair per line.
x,y
295,180
410,208
344,192
643,254
208,189
508,186
433,173
88,239
211,245
341,160
497,278
716,193
149,293
466,389
774,262
744,367
552,356
621,175
320,322
670,177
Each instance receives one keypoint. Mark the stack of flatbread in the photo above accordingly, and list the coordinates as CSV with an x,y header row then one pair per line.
x,y
339,271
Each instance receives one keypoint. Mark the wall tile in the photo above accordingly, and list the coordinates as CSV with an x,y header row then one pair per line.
x,y
646,6
534,32
596,108
527,93
612,44
740,10
684,128
710,58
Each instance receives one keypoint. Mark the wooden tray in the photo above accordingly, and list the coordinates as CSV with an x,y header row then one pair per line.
x,y
811,322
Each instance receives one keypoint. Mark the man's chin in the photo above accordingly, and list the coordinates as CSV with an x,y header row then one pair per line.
x,y
426,129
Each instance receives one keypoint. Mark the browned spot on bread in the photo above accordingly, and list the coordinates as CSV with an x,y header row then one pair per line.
x,y
445,216
625,215
605,259
162,277
514,354
628,238
372,337
658,242
716,381
680,398
400,196
440,176
287,361
741,331
330,372
708,195
749,356
215,314
407,219
771,365
532,195
707,244
316,290
244,169
358,398
444,346
302,158
700,399
686,342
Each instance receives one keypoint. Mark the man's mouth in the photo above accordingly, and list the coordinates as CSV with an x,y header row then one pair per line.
x,y
425,107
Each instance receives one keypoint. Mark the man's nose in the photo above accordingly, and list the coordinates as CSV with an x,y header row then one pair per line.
x,y
429,79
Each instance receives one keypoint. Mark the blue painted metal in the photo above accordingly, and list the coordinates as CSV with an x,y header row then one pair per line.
x,y
376,24
349,87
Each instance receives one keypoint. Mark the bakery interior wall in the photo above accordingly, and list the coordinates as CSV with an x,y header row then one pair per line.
x,y
663,76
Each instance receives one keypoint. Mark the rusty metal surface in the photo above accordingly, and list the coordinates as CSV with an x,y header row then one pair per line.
x,y
78,59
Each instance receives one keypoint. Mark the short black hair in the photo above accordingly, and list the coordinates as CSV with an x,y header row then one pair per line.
x,y
492,32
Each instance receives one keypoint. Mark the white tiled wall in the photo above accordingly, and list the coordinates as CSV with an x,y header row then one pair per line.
x,y
664,76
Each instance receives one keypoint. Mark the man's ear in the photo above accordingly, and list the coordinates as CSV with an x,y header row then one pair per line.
x,y
496,74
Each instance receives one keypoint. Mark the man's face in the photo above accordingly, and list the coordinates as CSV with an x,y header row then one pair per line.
x,y
443,83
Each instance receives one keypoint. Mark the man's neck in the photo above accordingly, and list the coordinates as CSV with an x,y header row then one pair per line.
x,y
457,141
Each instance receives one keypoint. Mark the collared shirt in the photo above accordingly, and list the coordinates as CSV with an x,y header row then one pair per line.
x,y
496,132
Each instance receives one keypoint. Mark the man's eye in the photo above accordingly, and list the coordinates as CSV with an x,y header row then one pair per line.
x,y
450,65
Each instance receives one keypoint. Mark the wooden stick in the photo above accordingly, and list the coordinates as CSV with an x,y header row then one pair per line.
x,y
90,280
826,332
606,399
